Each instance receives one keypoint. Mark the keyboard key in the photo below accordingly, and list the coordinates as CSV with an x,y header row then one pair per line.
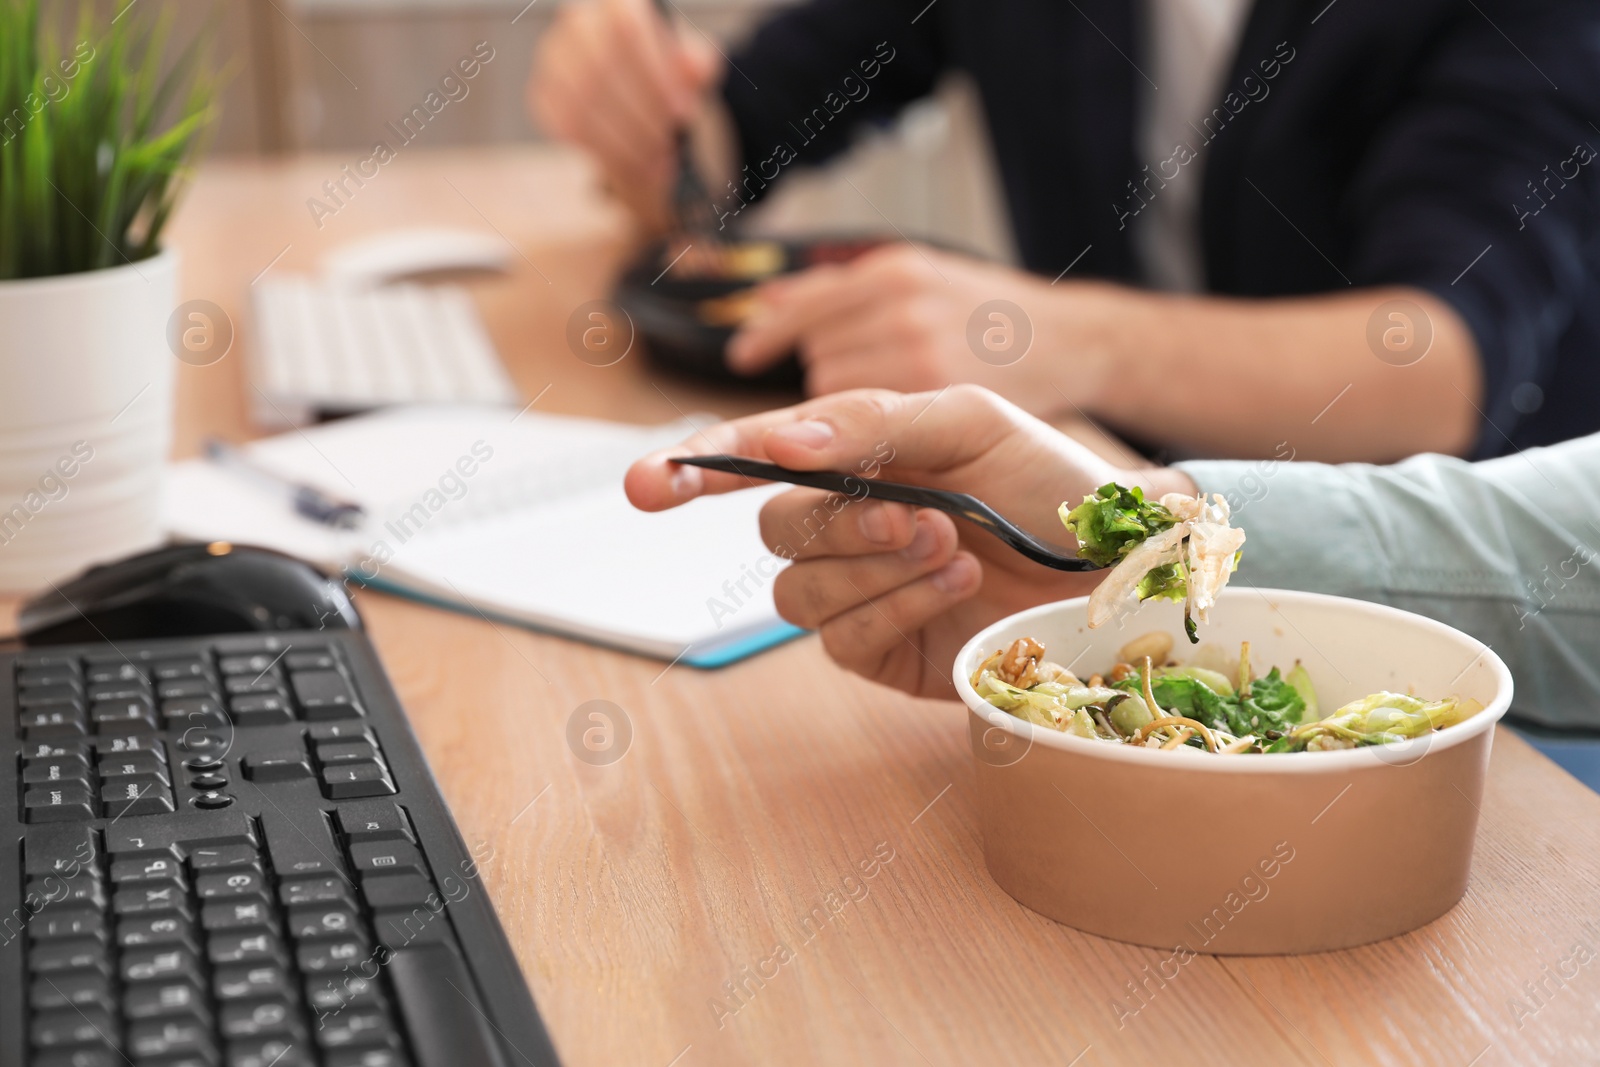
x,y
71,954
366,1057
120,721
355,1027
268,1052
173,1038
96,1056
398,891
317,957
110,691
116,766
387,857
212,800
367,779
66,675
327,712
309,922
55,769
248,948
190,667
258,663
53,723
260,709
190,830
221,857
283,765
161,964
238,915
73,1026
146,867
149,802
157,929
63,803
143,899
35,696
398,927
310,660
231,885
299,891
122,717
105,673
117,654
136,795
51,749
59,850
29,660
85,890
152,800
272,1018
319,732
158,1000
63,922
373,820
335,993
346,752
249,644
304,847
318,691
68,988
135,743
238,982
184,688
202,712
239,684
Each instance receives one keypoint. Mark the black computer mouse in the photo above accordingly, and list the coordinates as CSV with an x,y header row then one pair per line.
x,y
188,591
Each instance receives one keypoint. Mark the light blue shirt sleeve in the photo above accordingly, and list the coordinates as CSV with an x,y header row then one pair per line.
x,y
1507,550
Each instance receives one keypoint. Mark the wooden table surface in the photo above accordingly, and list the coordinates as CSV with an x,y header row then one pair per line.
x,y
701,899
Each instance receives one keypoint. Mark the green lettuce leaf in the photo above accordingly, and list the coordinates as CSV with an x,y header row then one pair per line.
x,y
1273,704
1114,521
1168,580
1377,719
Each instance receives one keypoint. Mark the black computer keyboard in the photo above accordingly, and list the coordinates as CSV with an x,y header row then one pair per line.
x,y
229,851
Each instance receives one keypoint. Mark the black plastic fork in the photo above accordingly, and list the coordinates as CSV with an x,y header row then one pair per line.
x,y
961,505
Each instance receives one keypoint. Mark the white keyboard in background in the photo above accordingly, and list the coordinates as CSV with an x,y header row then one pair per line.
x,y
326,349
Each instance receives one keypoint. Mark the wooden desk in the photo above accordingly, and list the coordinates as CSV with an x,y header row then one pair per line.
x,y
688,904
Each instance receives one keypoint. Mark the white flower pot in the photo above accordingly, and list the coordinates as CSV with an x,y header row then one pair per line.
x,y
85,417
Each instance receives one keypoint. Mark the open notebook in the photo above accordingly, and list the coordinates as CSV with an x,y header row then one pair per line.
x,y
519,519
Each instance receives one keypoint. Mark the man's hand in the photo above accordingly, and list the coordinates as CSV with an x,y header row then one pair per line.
x,y
896,591
1213,375
898,318
612,77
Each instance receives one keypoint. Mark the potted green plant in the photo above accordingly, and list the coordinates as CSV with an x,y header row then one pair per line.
x,y
95,136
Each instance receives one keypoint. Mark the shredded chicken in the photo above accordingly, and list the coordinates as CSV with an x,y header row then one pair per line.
x,y
1213,544
1203,541
1119,591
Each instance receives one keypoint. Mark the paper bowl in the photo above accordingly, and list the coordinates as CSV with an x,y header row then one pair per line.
x,y
1249,854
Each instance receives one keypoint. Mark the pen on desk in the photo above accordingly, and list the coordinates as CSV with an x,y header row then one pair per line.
x,y
308,500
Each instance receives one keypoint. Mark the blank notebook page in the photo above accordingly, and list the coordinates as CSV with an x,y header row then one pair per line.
x,y
538,532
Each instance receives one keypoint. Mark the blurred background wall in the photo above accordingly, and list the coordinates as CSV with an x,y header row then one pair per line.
x,y
327,75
